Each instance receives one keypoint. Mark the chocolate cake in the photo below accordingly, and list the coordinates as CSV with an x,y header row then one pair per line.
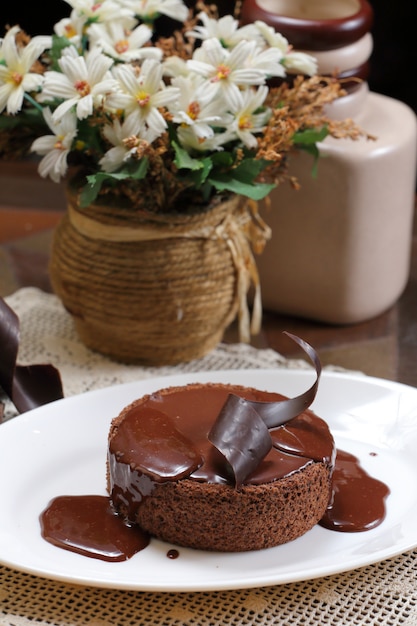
x,y
189,472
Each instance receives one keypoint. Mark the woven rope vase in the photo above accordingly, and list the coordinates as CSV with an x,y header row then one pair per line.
x,y
151,288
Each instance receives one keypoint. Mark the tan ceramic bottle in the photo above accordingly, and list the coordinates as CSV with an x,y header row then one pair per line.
x,y
340,246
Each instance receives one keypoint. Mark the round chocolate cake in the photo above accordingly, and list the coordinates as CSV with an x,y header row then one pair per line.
x,y
188,478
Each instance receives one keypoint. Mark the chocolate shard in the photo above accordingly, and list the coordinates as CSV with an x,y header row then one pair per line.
x,y
276,413
241,430
27,386
36,385
241,436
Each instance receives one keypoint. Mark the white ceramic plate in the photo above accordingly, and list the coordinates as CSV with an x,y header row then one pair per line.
x,y
61,449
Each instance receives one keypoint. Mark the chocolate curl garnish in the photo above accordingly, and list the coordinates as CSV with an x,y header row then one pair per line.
x,y
241,436
241,430
27,386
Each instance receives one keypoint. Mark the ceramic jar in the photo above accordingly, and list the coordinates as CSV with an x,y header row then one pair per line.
x,y
340,246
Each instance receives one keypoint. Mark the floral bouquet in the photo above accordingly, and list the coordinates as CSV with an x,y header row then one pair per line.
x,y
211,106
166,119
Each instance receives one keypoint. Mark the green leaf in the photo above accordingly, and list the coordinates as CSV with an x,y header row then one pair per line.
x,y
256,191
196,178
58,44
183,160
205,170
314,152
95,182
249,169
307,140
90,191
310,135
137,169
240,179
311,149
222,159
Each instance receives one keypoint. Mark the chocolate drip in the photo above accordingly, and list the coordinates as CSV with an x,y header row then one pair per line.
x,y
164,452
358,500
88,525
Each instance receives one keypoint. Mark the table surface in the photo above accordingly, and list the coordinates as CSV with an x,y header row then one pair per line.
x,y
385,346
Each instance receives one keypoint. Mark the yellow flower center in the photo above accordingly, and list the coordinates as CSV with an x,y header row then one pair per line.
x,y
122,46
143,98
69,31
245,122
58,144
222,72
82,87
193,110
16,78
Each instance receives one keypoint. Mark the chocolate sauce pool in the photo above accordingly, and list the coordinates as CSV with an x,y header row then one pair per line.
x,y
357,502
90,526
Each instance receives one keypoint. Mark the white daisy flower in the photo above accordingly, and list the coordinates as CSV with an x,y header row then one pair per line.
x,y
227,69
300,63
291,61
143,94
16,77
247,121
226,29
269,61
55,147
148,10
117,134
122,44
102,11
272,38
190,142
84,81
197,107
71,28
175,66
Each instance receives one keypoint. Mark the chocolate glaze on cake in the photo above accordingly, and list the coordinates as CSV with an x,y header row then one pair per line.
x,y
166,476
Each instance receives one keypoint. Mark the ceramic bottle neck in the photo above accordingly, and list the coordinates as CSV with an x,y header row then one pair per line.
x,y
313,24
336,33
